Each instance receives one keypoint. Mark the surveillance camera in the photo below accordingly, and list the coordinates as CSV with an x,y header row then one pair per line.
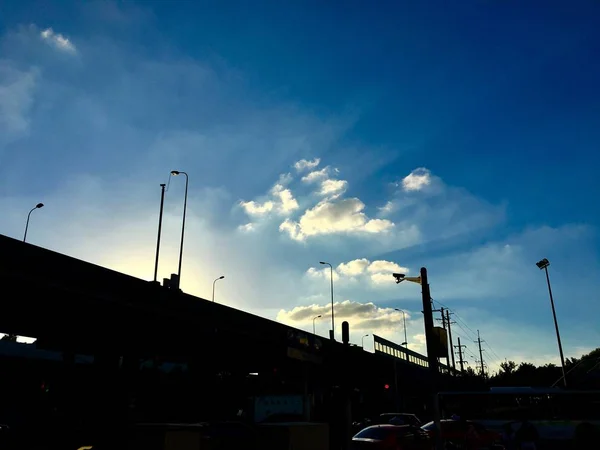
x,y
399,277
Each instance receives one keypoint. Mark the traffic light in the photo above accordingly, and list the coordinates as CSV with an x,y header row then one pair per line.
x,y
386,386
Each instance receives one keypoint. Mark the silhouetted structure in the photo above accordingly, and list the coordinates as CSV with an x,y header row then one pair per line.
x,y
217,357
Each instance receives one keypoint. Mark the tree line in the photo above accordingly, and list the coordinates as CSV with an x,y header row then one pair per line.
x,y
582,373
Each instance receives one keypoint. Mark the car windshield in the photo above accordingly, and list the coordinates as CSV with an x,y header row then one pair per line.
x,y
453,426
377,433
428,426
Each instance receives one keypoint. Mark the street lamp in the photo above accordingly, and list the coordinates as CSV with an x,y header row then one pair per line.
x,y
404,321
216,279
175,173
332,312
160,216
38,206
543,265
316,317
362,341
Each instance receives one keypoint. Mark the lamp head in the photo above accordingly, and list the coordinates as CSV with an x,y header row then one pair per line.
x,y
39,205
543,263
322,262
399,277
221,277
174,172
319,316
404,343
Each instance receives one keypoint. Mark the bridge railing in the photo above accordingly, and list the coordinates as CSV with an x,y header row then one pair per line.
x,y
386,347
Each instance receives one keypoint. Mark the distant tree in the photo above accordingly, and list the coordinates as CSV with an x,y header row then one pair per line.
x,y
470,372
581,372
507,368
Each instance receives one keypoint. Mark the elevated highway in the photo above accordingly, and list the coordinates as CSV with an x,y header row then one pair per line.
x,y
74,306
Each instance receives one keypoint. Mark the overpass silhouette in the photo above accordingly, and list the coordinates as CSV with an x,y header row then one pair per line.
x,y
76,307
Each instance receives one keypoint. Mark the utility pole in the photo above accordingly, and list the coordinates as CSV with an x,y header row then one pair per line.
x,y
460,355
430,339
433,362
443,319
479,341
451,344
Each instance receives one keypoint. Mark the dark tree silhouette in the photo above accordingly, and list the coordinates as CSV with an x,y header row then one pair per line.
x,y
582,372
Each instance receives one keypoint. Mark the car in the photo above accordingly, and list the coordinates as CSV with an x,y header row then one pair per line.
x,y
457,432
400,419
392,437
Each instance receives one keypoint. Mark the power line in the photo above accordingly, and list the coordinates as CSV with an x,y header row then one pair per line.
x,y
462,325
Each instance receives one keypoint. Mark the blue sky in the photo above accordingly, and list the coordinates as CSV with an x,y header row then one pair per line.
x,y
407,134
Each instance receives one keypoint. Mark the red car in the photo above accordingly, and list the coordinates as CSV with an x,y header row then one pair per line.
x,y
460,432
392,437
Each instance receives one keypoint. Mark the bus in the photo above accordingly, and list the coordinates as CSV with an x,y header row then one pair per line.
x,y
555,413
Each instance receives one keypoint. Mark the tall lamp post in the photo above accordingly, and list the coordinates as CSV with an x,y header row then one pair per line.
x,y
314,318
543,265
38,206
160,216
216,279
175,173
405,343
332,311
362,341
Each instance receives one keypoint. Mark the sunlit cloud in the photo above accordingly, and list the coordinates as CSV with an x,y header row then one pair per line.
x,y
57,40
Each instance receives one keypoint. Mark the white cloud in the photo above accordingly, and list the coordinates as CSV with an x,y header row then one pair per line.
x,y
316,175
304,164
417,180
442,213
287,203
325,273
248,227
343,216
253,208
387,208
361,316
333,188
353,268
382,278
329,216
292,229
284,202
381,272
378,225
386,266
378,272
420,339
57,40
